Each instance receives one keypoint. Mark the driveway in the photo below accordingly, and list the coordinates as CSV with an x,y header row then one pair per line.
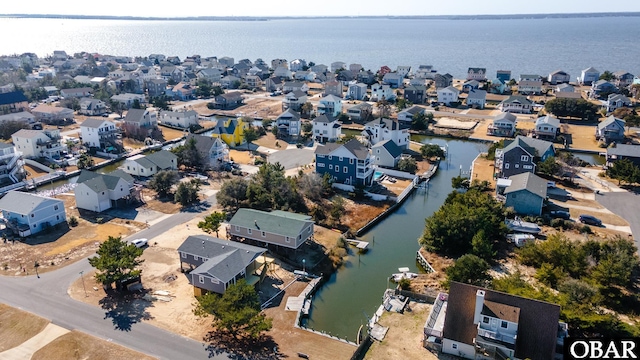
x,y
627,206
292,158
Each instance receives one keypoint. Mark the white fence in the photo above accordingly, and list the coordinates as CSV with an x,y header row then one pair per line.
x,y
351,188
397,173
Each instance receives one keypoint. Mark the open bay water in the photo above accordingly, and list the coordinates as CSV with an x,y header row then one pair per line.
x,y
524,46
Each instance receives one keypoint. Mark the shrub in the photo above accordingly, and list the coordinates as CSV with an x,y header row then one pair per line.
x,y
405,284
258,161
99,220
556,223
73,221
586,229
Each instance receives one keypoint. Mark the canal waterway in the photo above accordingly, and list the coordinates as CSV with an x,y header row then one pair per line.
x,y
354,292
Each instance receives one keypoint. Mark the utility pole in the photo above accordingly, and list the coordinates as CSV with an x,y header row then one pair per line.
x,y
84,288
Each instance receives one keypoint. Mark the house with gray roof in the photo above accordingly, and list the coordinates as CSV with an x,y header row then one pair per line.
x,y
526,193
547,127
516,104
382,129
182,119
520,155
611,129
213,264
149,165
503,124
350,163
213,150
288,124
326,128
616,101
623,151
407,115
99,192
477,98
360,112
386,154
27,214
279,228
230,100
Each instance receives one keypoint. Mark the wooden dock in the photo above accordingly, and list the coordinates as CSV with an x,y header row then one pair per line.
x,y
361,245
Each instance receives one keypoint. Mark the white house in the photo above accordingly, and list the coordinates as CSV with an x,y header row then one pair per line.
x,y
92,107
382,91
27,214
11,165
127,100
97,132
589,76
182,119
381,129
403,71
448,95
326,128
558,77
564,87
99,192
407,115
547,127
477,98
283,72
38,143
288,123
213,149
331,105
149,165
516,104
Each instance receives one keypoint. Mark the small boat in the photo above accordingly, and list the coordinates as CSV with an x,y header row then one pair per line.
x,y
403,274
518,225
520,239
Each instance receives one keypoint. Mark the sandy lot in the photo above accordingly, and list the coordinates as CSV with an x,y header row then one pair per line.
x,y
269,141
404,338
582,137
449,123
242,156
171,134
483,169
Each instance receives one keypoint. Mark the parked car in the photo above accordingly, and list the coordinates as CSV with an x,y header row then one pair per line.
x,y
590,220
560,214
140,242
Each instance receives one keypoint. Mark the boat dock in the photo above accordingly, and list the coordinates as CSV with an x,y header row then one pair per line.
x,y
361,245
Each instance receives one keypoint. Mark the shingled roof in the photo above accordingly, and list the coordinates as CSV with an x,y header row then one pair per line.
x,y
275,222
527,181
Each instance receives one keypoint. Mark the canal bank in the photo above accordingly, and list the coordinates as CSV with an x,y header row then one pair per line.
x,y
352,294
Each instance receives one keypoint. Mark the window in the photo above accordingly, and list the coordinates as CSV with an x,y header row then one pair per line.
x,y
340,158
35,225
528,167
184,255
485,319
55,207
350,161
524,158
288,239
330,157
33,215
201,279
249,231
454,346
345,169
237,228
503,325
195,257
517,166
215,281
506,166
57,217
330,167
264,234
320,164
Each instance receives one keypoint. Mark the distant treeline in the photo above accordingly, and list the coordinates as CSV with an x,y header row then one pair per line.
x,y
252,18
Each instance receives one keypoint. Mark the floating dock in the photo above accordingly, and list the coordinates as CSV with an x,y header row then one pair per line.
x,y
361,245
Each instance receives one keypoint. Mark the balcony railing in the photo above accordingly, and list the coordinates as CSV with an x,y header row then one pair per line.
x,y
496,336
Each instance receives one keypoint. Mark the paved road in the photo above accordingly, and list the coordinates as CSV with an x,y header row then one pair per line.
x,y
625,205
47,296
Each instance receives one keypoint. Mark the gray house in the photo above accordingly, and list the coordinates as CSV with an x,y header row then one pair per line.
x,y
622,151
214,264
519,156
611,129
280,228
526,194
386,154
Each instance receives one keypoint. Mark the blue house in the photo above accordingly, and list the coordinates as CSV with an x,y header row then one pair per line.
x,y
349,163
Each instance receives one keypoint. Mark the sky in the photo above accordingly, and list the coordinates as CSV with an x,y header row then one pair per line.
x,y
313,8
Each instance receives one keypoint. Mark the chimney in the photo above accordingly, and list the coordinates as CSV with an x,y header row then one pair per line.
x,y
479,305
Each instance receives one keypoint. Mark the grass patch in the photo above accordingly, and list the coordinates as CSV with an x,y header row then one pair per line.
x,y
17,326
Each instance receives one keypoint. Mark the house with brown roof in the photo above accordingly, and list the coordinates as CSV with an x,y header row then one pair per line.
x,y
488,324
230,100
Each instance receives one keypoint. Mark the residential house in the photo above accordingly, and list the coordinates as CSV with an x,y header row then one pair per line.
x,y
526,194
289,124
13,102
230,100
417,81
360,112
273,84
338,65
498,86
127,100
149,165
380,91
156,87
406,115
417,94
23,116
210,74
530,87
38,143
622,79
443,81
99,133
448,95
212,264
424,72
529,77
252,81
230,82
283,72
231,130
213,150
226,61
99,192
181,119
477,99
137,120
520,155
28,214
558,77
479,74
564,87
319,68
355,68
331,105
357,91
304,75
92,107
623,151
76,92
386,154
503,75
297,65
346,76
470,85
350,163
382,129
616,101
279,228
52,114
394,80
611,129
488,324
547,127
289,86
276,63
294,100
384,69
516,104
326,128
11,165
172,73
333,88
589,76
503,124
366,77
600,88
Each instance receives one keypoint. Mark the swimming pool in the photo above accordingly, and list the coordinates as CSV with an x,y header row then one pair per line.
x,y
377,175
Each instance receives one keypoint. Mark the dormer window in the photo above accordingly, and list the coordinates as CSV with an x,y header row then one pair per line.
x,y
485,319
